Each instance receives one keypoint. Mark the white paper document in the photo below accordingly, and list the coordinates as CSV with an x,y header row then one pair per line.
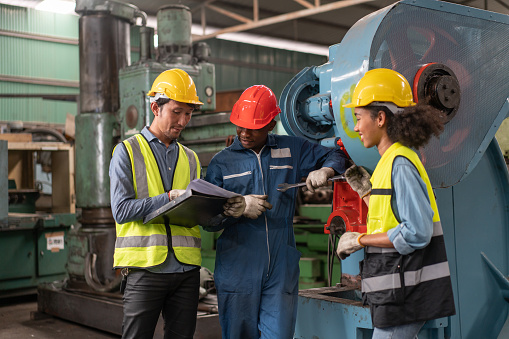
x,y
200,202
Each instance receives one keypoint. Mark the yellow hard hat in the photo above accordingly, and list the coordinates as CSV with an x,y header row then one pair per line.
x,y
177,85
382,85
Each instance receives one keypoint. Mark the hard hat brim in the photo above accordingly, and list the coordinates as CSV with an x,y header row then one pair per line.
x,y
248,125
196,102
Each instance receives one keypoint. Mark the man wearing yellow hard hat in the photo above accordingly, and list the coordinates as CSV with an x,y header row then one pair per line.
x,y
160,262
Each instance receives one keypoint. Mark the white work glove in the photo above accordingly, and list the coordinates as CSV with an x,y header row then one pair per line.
x,y
234,207
319,178
173,194
255,205
349,243
358,178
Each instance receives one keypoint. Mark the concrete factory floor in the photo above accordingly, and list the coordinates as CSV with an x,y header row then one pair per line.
x,y
16,322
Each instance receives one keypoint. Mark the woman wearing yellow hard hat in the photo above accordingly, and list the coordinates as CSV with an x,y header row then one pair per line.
x,y
405,273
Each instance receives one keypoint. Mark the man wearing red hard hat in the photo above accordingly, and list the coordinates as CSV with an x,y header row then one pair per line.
x,y
257,264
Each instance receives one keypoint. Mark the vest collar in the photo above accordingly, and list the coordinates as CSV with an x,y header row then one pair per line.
x,y
394,147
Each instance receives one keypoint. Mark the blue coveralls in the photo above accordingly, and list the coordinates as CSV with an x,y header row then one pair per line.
x,y
257,264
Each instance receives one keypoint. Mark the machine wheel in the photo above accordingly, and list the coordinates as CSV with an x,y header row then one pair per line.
x,y
303,86
436,85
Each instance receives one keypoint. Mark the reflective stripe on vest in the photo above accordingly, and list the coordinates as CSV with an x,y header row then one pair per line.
x,y
437,230
142,241
185,241
412,278
152,238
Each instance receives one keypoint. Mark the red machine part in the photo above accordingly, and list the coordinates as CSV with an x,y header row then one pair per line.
x,y
342,147
349,211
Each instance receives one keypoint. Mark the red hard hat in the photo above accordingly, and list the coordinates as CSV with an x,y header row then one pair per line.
x,y
256,107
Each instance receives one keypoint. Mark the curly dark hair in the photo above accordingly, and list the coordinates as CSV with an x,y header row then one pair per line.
x,y
414,126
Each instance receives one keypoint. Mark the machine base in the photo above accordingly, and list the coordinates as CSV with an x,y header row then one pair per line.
x,y
337,312
106,313
332,312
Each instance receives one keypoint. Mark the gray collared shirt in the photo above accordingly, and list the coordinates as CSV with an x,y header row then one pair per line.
x,y
126,208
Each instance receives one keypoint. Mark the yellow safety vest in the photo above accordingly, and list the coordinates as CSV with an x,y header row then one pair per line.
x,y
393,284
380,215
139,245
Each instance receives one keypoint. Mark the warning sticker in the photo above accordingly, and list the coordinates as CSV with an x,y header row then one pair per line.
x,y
55,241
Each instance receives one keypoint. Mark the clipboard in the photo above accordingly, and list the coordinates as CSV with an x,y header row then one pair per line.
x,y
200,202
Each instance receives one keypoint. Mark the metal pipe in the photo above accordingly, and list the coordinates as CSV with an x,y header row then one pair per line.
x,y
99,86
142,15
39,37
50,131
40,81
146,42
94,146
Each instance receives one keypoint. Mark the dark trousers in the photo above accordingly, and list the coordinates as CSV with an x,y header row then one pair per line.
x,y
148,294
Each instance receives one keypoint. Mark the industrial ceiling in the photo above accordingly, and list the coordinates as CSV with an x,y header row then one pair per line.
x,y
321,22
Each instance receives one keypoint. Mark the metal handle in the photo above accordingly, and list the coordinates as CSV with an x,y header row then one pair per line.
x,y
284,187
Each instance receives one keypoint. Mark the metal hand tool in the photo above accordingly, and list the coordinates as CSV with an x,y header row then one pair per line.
x,y
284,187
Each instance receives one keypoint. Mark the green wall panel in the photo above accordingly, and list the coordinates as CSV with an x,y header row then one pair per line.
x,y
30,57
240,65
36,110
30,64
39,59
29,20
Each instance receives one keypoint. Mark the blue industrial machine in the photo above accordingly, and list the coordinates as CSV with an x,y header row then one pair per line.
x,y
457,59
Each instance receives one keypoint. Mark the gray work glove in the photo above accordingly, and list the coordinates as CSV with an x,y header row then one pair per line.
x,y
319,178
234,207
358,178
256,205
173,194
348,244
